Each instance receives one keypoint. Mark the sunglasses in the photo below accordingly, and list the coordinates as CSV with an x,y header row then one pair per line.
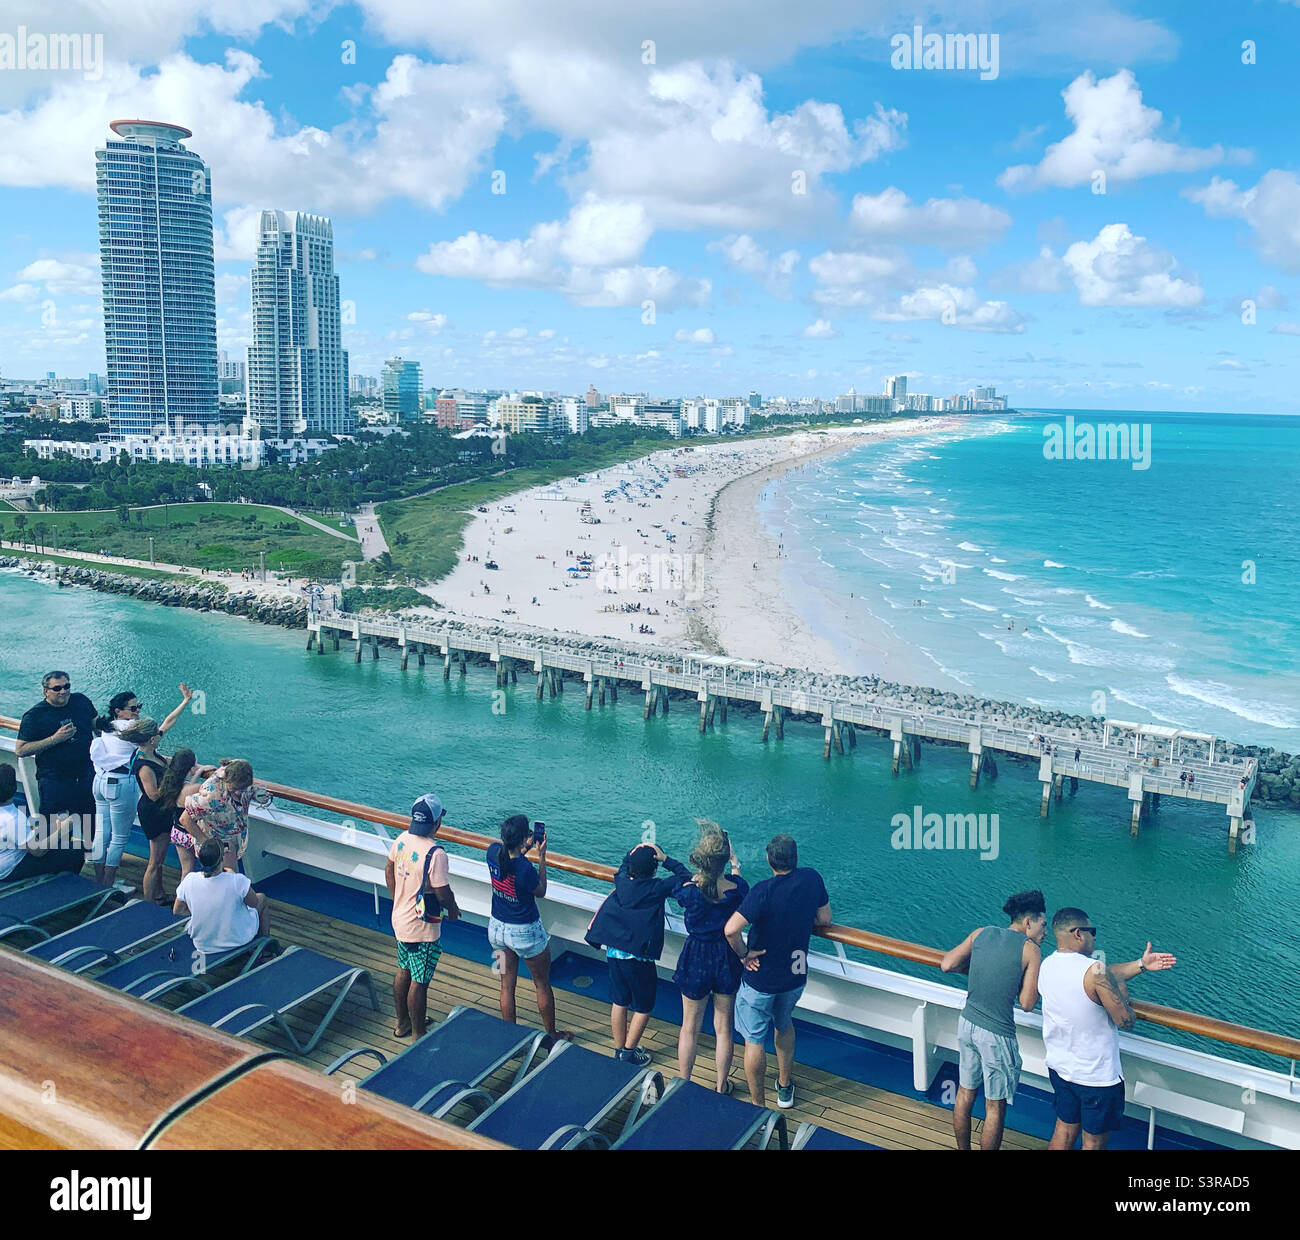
x,y
57,688
135,707
1092,930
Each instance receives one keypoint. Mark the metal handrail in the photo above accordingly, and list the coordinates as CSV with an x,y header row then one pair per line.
x,y
900,949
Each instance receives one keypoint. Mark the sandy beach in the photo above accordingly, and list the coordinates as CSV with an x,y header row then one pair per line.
x,y
666,551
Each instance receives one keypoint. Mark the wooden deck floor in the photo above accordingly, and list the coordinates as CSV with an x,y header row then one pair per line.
x,y
858,1110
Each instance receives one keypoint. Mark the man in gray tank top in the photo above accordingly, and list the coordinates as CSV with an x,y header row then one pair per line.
x,y
1002,965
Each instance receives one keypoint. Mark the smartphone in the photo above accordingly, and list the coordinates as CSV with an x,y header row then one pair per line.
x,y
539,832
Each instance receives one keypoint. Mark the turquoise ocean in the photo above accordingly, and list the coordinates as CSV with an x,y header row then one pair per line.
x,y
374,734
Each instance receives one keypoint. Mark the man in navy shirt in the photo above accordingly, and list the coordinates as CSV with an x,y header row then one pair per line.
x,y
57,732
781,912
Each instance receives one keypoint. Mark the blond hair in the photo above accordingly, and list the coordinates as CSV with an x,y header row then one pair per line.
x,y
710,855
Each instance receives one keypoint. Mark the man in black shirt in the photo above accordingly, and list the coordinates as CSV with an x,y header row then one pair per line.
x,y
57,732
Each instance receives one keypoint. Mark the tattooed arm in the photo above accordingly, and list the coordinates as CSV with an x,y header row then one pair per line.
x,y
1102,986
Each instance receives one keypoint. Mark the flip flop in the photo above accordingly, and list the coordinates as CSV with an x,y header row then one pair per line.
x,y
397,1033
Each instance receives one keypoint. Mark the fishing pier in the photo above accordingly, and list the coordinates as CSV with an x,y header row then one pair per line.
x,y
1061,754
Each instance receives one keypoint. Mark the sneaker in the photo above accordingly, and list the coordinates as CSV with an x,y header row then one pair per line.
x,y
635,1055
785,1095
125,888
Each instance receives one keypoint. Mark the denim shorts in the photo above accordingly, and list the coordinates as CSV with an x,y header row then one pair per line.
x,y
526,941
988,1059
758,1014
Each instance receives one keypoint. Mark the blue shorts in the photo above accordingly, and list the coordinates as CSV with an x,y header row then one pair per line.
x,y
1099,1108
633,983
528,940
758,1014
988,1059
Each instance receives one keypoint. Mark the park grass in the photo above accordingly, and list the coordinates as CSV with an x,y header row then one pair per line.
x,y
125,570
203,535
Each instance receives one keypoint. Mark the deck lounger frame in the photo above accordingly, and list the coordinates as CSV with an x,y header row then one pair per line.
x,y
807,1137
77,949
158,982
61,893
525,1046
764,1122
572,1135
248,1017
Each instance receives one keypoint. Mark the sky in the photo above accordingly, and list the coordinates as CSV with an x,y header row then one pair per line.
x,y
703,199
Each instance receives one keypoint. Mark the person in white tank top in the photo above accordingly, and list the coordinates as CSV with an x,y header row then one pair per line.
x,y
1085,1004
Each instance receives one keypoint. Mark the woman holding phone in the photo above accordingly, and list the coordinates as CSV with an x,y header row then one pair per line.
x,y
515,928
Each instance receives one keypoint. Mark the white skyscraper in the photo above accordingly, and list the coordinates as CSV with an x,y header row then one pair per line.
x,y
297,369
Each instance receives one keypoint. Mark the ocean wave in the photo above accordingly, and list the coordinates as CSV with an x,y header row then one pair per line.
x,y
1127,629
997,559
1132,701
982,606
1092,602
993,572
1052,564
1214,693
1038,671
969,546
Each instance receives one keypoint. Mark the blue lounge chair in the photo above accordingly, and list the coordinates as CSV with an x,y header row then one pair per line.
x,y
557,1106
690,1117
814,1137
21,909
153,973
107,937
462,1052
267,994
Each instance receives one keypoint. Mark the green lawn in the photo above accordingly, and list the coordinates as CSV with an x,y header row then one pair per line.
x,y
435,523
204,535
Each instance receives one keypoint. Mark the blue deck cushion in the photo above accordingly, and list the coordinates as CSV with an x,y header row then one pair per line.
x,y
60,894
464,1050
814,1137
268,993
106,937
573,1090
690,1117
172,964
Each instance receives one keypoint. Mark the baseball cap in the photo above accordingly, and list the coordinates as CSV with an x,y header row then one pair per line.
x,y
425,814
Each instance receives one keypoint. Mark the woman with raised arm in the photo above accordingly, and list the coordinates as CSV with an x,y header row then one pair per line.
x,y
707,967
164,784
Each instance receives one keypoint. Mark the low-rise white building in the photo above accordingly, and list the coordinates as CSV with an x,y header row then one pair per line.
x,y
196,450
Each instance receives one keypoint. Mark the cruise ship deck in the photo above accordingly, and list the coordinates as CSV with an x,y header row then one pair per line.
x,y
866,1112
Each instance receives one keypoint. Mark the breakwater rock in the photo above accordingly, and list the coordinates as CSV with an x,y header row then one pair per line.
x,y
202,595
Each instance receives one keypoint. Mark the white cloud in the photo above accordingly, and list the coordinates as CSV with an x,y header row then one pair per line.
x,y
601,233
20,292
955,307
1114,132
742,253
76,275
546,333
953,223
1044,274
701,335
1288,329
1271,208
1117,268
432,323
231,288
820,330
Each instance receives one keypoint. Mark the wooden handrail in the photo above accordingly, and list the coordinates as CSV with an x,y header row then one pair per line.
x,y
850,936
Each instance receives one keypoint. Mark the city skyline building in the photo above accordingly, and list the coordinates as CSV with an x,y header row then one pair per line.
x,y
297,367
159,280
402,387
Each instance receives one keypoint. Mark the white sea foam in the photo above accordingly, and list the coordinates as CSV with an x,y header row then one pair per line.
x,y
982,606
1215,693
1038,671
997,559
1127,629
993,572
1052,564
1092,602
970,546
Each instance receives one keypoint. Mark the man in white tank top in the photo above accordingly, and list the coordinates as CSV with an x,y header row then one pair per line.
x,y
1085,1004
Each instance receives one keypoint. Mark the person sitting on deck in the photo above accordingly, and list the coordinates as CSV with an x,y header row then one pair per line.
x,y
1085,1004
707,966
782,911
418,880
629,925
1002,965
21,856
225,911
515,928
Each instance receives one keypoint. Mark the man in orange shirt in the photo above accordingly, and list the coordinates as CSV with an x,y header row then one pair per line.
x,y
418,882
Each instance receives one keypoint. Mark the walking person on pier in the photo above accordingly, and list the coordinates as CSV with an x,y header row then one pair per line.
x,y
782,912
418,880
707,967
515,928
1002,966
1085,1004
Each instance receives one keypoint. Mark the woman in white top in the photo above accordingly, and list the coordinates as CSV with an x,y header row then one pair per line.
x,y
114,787
225,911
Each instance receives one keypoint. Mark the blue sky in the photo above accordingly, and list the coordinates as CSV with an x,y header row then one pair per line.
x,y
650,236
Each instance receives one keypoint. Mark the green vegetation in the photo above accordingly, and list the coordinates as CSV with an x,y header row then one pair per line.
x,y
203,535
426,533
156,574
397,599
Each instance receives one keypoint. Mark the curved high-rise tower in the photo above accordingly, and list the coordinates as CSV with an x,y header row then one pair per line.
x,y
160,306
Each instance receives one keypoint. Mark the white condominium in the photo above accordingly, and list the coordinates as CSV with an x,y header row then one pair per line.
x,y
297,368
